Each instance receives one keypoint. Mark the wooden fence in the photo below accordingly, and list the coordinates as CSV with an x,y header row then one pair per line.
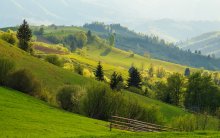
x,y
136,126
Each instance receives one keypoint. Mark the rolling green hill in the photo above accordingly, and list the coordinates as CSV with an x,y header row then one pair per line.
x,y
207,43
54,77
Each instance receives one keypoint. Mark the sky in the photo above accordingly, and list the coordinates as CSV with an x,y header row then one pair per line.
x,y
77,12
157,9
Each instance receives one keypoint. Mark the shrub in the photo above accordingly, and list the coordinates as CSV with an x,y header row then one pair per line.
x,y
69,98
6,66
100,102
135,110
54,59
24,81
9,37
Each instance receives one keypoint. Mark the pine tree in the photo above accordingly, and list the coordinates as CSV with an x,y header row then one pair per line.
x,y
99,74
134,78
24,35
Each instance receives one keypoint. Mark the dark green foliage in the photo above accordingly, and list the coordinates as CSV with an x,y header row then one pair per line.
x,y
99,74
69,98
116,81
162,93
187,72
54,59
6,67
24,35
171,92
24,81
134,79
202,94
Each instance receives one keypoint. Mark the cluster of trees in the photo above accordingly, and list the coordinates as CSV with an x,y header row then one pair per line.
x,y
196,92
117,81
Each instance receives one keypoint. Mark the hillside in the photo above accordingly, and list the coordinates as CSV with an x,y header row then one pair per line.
x,y
157,48
207,43
24,116
53,78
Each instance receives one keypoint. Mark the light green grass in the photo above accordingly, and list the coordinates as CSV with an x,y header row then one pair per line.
x,y
23,116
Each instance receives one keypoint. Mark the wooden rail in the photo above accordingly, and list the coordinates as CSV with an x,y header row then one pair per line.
x,y
136,126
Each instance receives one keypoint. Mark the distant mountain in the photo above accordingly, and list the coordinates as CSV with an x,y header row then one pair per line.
x,y
178,30
208,44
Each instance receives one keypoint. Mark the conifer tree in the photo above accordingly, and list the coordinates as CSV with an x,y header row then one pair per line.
x,y
134,78
24,35
99,74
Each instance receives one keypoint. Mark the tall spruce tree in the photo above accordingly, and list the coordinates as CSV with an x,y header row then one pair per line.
x,y
99,74
134,78
24,35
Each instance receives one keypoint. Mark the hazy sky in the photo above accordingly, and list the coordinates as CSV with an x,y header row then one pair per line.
x,y
78,12
155,9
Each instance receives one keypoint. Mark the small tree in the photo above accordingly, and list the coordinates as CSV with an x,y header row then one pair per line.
x,y
175,86
24,35
99,74
187,72
134,78
116,81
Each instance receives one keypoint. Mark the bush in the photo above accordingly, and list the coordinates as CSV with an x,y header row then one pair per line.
x,y
9,37
24,81
54,59
6,66
69,98
100,102
135,110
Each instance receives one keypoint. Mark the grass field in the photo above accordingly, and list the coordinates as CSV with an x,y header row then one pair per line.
x,y
23,116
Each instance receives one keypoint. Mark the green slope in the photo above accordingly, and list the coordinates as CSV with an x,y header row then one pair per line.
x,y
53,78
23,116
